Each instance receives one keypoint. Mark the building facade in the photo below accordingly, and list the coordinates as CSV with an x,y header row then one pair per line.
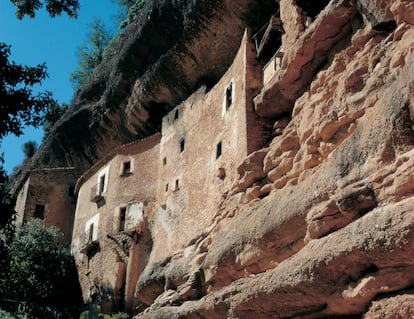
x,y
148,199
49,194
115,198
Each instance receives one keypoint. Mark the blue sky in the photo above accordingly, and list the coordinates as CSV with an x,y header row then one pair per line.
x,y
51,40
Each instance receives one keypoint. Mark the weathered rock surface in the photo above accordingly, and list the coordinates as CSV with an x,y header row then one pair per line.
x,y
320,222
171,49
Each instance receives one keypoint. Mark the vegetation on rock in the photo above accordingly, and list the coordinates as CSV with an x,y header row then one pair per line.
x,y
91,54
29,148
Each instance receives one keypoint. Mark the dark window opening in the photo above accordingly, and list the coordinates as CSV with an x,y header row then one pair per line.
x,y
164,161
71,191
312,8
177,185
101,184
269,39
122,218
182,144
39,212
218,150
90,235
166,187
126,168
229,95
176,115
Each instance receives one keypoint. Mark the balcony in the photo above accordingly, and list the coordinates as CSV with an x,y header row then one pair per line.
x,y
96,196
87,242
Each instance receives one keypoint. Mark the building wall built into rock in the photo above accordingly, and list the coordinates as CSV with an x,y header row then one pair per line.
x,y
171,185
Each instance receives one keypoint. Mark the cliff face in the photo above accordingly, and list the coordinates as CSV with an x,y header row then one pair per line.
x,y
171,49
319,222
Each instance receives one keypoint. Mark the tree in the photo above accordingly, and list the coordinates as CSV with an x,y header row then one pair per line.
x,y
19,105
29,148
132,10
33,267
53,7
91,54
39,279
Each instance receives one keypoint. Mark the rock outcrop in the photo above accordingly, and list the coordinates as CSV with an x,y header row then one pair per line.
x,y
320,221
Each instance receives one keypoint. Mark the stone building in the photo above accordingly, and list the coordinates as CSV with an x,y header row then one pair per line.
x,y
147,200
49,194
110,235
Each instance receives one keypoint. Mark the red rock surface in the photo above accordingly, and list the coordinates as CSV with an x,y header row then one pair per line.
x,y
320,222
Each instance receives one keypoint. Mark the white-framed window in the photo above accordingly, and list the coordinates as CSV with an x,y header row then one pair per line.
x,y
91,228
102,184
128,216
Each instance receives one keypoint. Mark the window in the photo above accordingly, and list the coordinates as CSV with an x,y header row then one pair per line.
x,y
177,184
176,115
164,161
229,95
101,184
126,168
182,144
122,217
90,234
166,188
39,212
71,191
218,150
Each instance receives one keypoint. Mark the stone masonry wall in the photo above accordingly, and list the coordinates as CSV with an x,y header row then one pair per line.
x,y
216,134
52,192
115,258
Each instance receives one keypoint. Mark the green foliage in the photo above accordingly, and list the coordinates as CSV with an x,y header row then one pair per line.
x,y
90,54
53,114
38,279
133,11
19,106
119,315
53,7
6,315
29,148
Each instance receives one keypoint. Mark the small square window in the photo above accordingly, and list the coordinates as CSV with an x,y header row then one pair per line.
x,y
126,168
182,144
39,212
